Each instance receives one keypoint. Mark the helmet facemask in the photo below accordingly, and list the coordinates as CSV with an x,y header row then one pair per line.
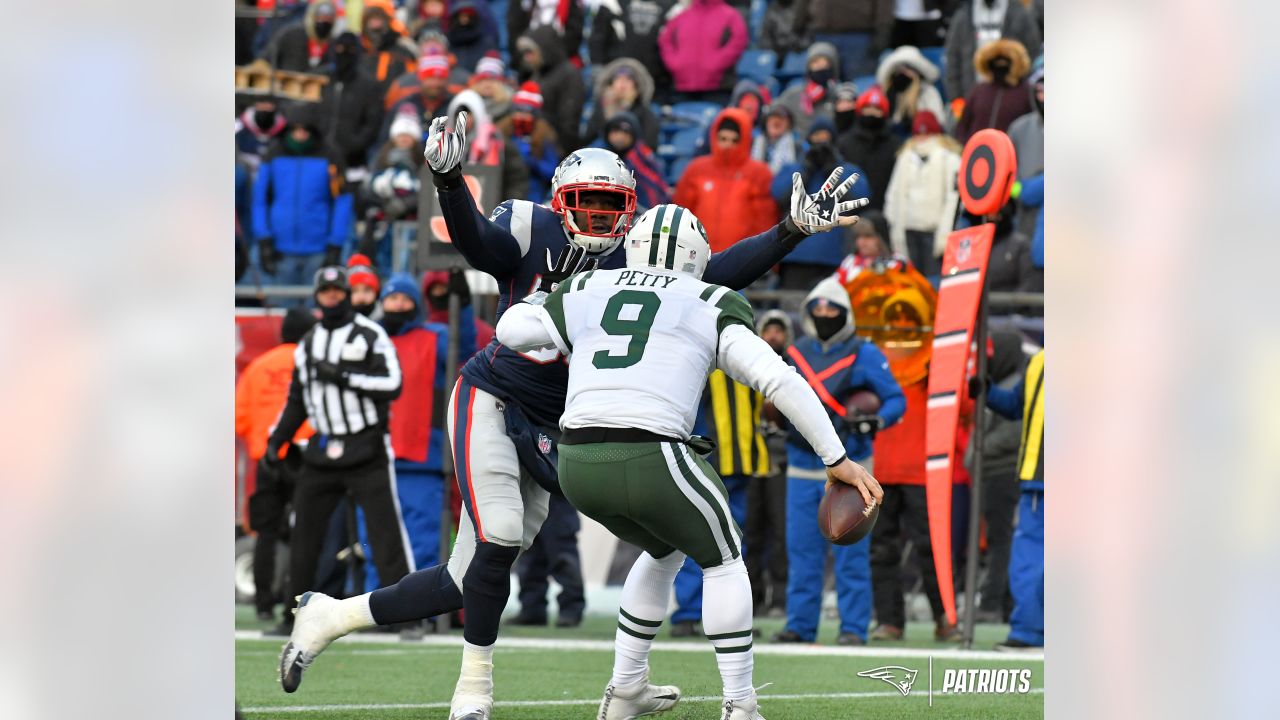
x,y
600,229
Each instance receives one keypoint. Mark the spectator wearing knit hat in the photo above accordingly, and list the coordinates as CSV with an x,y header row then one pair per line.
x,y
621,134
364,283
387,53
845,107
624,85
393,183
816,96
534,138
920,202
430,60
777,144
350,104
490,82
470,37
1001,95
486,146
869,144
432,95
753,97
700,46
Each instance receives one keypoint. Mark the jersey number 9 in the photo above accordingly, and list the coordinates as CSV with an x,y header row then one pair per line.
x,y
637,328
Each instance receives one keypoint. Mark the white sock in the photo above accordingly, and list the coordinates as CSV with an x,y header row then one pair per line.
x,y
476,676
645,596
726,619
354,614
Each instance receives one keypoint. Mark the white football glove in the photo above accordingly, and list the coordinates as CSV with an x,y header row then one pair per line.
x,y
823,210
444,148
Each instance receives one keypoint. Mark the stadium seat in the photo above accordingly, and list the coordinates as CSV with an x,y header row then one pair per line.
x,y
793,66
757,64
701,113
684,143
756,17
863,82
676,168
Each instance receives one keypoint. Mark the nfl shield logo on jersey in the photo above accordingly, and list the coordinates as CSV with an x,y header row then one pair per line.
x,y
334,449
544,443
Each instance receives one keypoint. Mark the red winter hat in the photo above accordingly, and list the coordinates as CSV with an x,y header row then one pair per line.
x,y
872,96
433,65
360,272
925,123
528,97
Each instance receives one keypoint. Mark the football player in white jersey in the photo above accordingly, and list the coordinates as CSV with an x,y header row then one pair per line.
x,y
641,342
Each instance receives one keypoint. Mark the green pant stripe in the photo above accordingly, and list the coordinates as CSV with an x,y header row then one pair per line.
x,y
638,621
635,634
708,495
735,649
730,635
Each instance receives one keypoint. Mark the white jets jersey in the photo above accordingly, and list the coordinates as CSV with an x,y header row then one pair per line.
x,y
641,343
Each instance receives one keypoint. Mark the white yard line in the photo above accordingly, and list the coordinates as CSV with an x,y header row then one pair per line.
x,y
760,648
584,701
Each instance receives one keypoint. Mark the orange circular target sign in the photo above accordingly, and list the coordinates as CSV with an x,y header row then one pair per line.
x,y
987,171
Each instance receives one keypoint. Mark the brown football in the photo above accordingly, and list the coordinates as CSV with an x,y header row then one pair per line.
x,y
862,402
843,516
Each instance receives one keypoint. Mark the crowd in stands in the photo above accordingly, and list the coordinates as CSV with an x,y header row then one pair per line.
x,y
703,99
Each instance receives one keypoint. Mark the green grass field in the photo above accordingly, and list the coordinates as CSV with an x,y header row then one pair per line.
x,y
546,674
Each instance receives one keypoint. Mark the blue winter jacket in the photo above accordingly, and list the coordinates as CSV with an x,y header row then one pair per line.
x,y
825,248
299,200
1033,197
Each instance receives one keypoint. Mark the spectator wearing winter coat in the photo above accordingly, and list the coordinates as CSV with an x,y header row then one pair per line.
x,y
302,211
1032,196
777,144
386,54
431,57
533,138
351,104
1027,132
393,179
816,96
727,190
845,107
487,146
907,78
629,29
470,38
870,145
429,15
435,289
256,128
818,255
621,134
624,85
976,23
700,47
919,23
490,82
1001,95
566,17
1010,268
433,95
859,29
921,199
543,60
777,29
302,46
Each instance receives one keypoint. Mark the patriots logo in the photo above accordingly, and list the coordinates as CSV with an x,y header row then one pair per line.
x,y
896,675
544,444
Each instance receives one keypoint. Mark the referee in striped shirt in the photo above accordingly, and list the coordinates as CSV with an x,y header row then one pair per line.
x,y
345,375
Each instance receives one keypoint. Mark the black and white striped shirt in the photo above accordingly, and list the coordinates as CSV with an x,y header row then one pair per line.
x,y
362,350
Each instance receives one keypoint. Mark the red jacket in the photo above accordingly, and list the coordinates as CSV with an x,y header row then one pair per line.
x,y
727,190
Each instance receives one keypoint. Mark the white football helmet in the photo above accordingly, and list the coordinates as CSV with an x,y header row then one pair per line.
x,y
593,170
669,237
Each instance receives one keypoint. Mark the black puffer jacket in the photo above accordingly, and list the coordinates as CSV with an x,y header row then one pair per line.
x,y
351,115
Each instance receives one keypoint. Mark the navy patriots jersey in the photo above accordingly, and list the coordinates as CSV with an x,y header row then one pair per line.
x,y
512,246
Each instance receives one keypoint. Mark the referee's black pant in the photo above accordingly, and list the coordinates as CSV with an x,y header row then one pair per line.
x,y
371,485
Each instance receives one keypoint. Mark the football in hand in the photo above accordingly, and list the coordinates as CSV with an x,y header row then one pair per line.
x,y
862,402
843,517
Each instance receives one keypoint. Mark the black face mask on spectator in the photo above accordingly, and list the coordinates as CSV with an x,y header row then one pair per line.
x,y
323,28
820,156
826,327
264,119
344,65
366,309
438,302
1000,68
376,37
899,82
395,321
822,77
871,123
845,119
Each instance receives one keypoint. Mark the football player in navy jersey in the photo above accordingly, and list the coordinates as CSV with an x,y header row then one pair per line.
x,y
505,409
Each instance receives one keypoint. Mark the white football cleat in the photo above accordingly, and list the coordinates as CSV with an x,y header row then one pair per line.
x,y
314,627
468,707
633,701
741,710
